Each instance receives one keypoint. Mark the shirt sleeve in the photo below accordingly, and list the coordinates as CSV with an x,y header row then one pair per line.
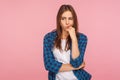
x,y
49,61
82,43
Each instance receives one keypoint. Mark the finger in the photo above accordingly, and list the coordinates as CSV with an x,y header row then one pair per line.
x,y
70,27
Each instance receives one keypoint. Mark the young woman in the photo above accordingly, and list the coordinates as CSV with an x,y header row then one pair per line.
x,y
64,48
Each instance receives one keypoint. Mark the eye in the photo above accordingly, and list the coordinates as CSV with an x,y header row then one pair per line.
x,y
62,18
70,18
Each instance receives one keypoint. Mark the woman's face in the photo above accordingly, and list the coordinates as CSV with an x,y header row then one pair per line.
x,y
66,20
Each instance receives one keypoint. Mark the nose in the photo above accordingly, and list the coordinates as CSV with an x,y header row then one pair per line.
x,y
67,22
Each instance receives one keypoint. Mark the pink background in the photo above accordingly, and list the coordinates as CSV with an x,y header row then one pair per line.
x,y
23,23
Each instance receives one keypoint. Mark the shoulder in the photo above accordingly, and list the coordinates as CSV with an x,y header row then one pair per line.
x,y
82,36
50,35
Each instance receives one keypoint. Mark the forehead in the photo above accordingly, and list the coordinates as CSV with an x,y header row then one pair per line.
x,y
67,14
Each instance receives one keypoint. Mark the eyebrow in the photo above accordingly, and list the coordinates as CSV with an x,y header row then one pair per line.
x,y
65,17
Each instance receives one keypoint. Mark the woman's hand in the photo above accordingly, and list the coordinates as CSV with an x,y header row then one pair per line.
x,y
81,66
72,33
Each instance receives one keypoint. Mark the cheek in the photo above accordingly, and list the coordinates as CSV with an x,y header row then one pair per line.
x,y
62,24
71,22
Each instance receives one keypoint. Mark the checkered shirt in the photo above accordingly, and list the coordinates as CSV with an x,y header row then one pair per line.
x,y
53,66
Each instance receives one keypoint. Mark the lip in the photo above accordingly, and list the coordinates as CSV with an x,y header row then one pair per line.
x,y
67,26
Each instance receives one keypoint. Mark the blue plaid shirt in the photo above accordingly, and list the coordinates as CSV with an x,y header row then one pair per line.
x,y
53,66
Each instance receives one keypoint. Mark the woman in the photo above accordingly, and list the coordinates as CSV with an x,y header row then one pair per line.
x,y
64,48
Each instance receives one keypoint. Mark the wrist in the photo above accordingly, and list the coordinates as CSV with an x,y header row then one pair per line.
x,y
74,39
76,68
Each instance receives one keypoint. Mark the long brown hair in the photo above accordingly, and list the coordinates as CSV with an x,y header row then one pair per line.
x,y
62,9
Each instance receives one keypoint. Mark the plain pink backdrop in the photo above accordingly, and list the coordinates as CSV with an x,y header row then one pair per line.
x,y
23,24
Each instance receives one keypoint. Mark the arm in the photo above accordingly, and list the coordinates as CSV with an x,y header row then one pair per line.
x,y
69,67
78,47
75,49
77,55
66,67
49,61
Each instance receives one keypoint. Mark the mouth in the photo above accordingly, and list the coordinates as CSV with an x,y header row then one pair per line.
x,y
67,27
